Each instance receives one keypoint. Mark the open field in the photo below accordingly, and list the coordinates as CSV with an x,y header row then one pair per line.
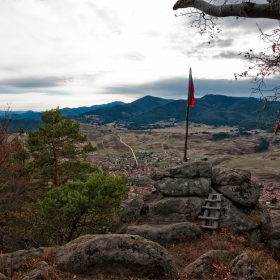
x,y
233,152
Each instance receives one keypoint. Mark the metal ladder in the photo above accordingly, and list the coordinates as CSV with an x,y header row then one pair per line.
x,y
211,213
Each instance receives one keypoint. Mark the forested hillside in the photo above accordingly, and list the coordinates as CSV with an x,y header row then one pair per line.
x,y
147,112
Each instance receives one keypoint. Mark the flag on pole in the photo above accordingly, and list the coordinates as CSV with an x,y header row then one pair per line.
x,y
191,99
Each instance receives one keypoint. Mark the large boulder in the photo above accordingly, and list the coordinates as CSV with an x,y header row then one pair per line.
x,y
239,219
184,187
233,177
203,267
187,170
166,234
244,268
137,208
118,254
175,209
163,209
246,194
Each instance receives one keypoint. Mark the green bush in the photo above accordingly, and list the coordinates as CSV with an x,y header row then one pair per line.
x,y
219,136
263,146
79,208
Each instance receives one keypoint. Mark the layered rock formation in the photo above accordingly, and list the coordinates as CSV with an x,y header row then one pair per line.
x,y
182,190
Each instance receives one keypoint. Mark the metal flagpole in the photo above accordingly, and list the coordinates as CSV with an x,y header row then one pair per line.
x,y
187,121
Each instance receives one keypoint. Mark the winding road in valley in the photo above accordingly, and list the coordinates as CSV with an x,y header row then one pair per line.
x,y
162,145
136,161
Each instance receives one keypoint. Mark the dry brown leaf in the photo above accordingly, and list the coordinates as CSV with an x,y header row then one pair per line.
x,y
276,128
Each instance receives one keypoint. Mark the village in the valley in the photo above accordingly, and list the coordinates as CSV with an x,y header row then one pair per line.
x,y
138,173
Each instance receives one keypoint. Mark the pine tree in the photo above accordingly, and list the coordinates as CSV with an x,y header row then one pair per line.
x,y
58,150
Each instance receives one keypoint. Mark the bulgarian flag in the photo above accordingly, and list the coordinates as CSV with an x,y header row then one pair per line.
x,y
191,99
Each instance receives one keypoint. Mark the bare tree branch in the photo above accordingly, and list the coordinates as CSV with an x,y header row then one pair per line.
x,y
243,9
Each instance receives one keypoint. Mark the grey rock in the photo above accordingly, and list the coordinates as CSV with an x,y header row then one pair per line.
x,y
233,177
273,235
202,268
116,254
184,187
166,234
41,271
13,261
137,209
175,209
243,268
239,219
187,170
246,194
163,209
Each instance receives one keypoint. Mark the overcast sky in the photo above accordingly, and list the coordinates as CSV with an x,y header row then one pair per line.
x,y
72,53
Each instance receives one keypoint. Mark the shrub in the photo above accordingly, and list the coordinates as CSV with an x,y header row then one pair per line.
x,y
219,136
263,146
78,208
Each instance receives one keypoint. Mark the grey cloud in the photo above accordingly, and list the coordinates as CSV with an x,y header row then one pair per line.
x,y
217,42
246,26
228,55
177,88
31,83
4,90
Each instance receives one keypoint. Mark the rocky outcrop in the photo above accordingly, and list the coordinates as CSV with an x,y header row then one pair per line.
x,y
272,232
12,262
163,209
244,268
166,234
239,219
40,271
202,268
184,187
233,177
241,268
181,192
119,254
187,170
236,185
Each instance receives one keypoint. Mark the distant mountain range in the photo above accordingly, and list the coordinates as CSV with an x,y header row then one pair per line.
x,y
19,115
153,112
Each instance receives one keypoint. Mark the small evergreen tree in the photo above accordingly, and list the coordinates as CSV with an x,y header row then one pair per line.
x,y
58,150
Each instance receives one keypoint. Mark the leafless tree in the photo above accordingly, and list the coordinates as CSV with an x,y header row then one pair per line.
x,y
13,182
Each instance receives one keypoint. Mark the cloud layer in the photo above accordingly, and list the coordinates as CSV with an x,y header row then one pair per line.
x,y
72,53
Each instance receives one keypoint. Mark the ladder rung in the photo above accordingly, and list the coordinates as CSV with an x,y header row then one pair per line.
x,y
211,208
209,227
213,200
208,218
